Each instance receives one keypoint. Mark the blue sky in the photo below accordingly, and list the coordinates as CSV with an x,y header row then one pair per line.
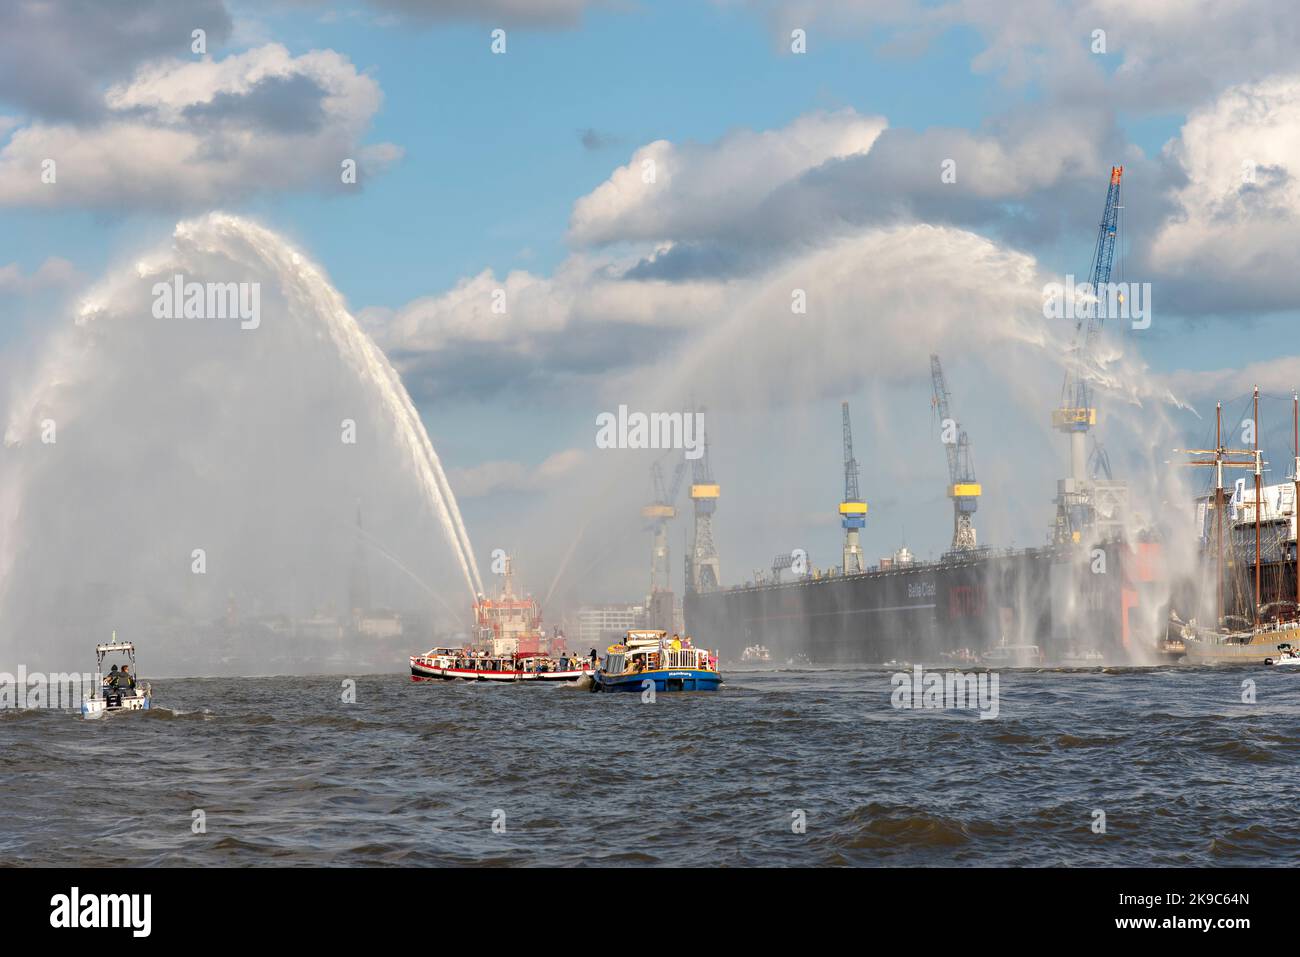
x,y
494,154
777,176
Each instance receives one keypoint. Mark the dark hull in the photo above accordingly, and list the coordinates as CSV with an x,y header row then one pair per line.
x,y
1057,599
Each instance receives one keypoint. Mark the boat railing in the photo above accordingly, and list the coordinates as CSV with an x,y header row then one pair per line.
x,y
688,658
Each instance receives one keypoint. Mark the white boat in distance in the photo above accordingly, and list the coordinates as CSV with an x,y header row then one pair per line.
x,y
1013,656
118,691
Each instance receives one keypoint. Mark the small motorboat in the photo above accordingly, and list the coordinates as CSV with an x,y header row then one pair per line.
x,y
756,653
118,690
1286,657
648,657
455,664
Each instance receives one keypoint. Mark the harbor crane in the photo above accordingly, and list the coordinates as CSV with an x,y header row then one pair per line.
x,y
1076,505
659,513
703,568
962,487
853,511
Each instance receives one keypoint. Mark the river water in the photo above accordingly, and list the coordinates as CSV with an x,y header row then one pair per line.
x,y
778,768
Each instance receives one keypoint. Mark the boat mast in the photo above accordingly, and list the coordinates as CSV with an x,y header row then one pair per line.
x,y
1225,458
1257,505
1218,508
1295,498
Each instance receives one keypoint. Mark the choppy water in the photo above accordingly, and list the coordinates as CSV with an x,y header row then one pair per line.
x,y
413,774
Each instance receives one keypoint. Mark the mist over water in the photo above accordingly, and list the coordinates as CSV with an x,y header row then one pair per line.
x,y
175,438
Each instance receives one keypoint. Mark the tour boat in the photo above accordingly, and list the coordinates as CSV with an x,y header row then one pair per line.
x,y
646,658
454,664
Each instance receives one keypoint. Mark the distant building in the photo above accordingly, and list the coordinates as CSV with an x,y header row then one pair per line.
x,y
601,625
379,623
319,627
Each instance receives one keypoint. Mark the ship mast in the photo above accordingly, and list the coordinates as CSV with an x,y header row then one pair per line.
x,y
1218,508
1258,477
1295,498
1224,458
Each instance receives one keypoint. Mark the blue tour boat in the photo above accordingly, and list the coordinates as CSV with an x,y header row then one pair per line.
x,y
651,656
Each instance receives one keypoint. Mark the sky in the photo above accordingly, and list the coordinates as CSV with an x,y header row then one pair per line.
x,y
776,169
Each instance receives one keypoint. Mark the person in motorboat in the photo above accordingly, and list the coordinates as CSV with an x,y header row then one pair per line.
x,y
125,677
111,679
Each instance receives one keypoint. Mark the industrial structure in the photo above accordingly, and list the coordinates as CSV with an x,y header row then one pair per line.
x,y
1084,501
853,511
975,603
661,603
703,571
962,487
659,513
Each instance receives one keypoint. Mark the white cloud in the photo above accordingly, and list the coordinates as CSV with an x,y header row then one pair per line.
x,y
1238,222
699,188
204,132
1161,54
880,295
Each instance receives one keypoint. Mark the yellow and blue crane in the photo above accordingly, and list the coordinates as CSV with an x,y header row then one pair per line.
x,y
703,570
963,489
1076,414
659,513
853,511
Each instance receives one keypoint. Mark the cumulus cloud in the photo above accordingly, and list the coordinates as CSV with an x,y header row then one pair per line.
x,y
194,133
55,58
691,191
882,289
732,207
560,331
1231,245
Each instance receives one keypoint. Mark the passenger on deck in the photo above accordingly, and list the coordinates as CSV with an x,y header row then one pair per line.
x,y
125,677
111,679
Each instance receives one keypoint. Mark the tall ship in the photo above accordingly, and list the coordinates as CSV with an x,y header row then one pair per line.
x,y
1251,541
